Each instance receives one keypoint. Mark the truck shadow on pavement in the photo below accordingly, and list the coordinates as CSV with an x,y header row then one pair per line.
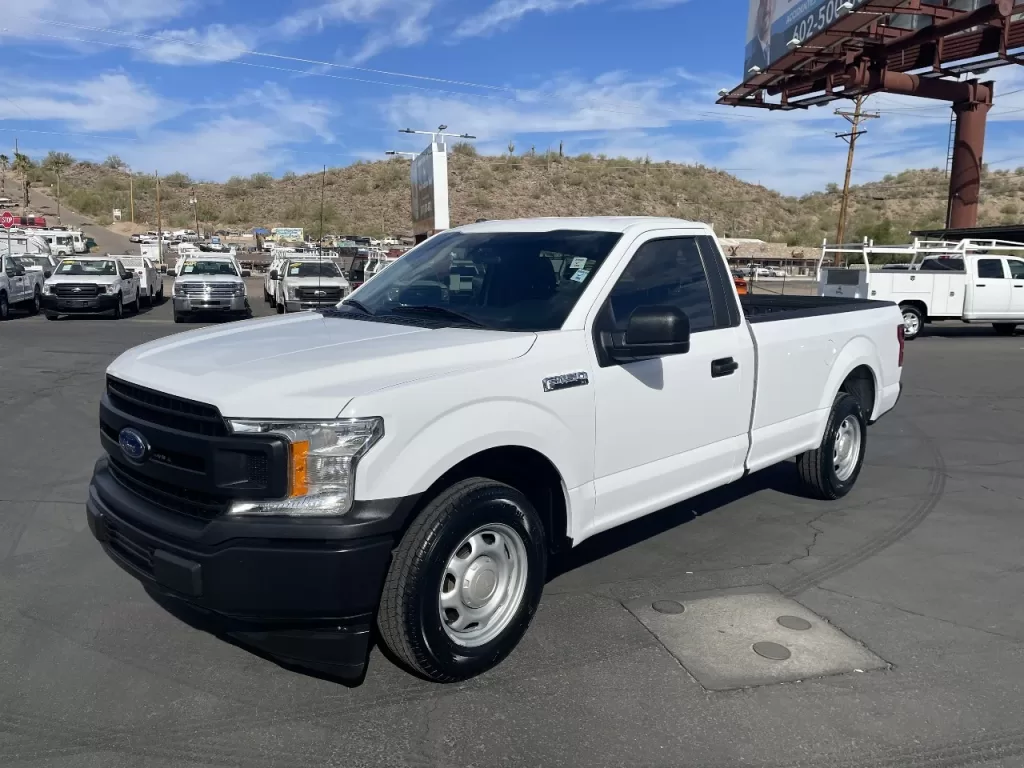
x,y
781,478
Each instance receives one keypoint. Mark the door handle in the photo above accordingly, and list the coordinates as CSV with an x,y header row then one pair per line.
x,y
724,366
979,285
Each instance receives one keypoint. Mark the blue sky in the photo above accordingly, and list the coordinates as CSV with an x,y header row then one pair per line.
x,y
231,87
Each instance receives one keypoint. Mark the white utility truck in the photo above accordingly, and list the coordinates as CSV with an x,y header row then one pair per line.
x,y
151,282
973,281
413,456
89,285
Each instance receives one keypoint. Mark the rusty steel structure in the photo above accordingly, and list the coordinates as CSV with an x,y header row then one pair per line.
x,y
864,53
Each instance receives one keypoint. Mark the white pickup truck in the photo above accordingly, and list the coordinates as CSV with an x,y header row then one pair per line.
x,y
307,282
89,285
972,281
415,455
20,286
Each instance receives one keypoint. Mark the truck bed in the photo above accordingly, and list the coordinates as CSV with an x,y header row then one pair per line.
x,y
761,308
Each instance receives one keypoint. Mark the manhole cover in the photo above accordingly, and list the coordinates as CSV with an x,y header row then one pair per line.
x,y
667,606
772,651
794,622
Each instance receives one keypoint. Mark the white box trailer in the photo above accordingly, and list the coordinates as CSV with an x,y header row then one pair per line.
x,y
974,281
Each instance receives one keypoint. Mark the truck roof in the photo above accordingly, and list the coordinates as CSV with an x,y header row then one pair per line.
x,y
585,223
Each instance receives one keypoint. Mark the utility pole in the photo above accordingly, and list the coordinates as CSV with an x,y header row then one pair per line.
x,y
195,206
854,118
131,193
159,226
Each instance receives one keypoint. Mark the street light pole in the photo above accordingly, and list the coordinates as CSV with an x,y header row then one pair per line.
x,y
194,202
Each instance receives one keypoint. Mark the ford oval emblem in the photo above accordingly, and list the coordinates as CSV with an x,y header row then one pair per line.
x,y
133,445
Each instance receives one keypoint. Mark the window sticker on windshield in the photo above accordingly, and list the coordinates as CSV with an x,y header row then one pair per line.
x,y
189,266
578,262
580,275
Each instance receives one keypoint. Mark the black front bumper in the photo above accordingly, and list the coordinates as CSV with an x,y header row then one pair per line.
x,y
89,306
302,591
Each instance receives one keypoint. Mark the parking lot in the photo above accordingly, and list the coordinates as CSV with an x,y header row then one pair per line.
x,y
919,568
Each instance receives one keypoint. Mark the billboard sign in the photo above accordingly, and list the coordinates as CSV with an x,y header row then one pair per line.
x,y
286,234
429,176
772,24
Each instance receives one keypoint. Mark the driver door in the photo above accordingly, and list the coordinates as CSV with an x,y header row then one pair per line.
x,y
670,427
15,281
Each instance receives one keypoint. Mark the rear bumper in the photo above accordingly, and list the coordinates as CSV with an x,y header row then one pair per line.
x,y
304,592
65,306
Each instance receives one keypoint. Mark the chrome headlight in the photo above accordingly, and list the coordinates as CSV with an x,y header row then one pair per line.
x,y
322,458
179,289
47,288
293,293
240,289
112,288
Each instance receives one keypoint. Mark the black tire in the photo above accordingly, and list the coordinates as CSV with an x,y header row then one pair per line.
x,y
179,318
409,618
913,321
281,308
52,316
5,306
1004,329
149,298
119,307
273,301
817,468
37,303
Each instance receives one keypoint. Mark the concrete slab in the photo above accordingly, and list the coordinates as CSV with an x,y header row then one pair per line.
x,y
739,638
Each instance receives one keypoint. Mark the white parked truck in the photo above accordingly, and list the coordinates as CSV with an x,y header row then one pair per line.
x,y
414,456
20,286
151,282
973,281
88,285
209,284
307,282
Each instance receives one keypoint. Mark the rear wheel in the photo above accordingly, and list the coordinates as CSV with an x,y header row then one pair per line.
x,y
134,306
5,307
1004,329
465,581
831,469
913,321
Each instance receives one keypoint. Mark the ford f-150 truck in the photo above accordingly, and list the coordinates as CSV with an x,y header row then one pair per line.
x,y
88,285
412,457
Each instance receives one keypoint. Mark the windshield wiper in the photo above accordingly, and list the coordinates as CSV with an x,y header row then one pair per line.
x,y
358,305
429,309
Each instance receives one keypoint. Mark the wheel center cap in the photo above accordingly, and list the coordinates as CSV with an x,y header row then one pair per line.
x,y
480,581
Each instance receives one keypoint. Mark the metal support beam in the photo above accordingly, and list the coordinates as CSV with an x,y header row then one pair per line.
x,y
965,171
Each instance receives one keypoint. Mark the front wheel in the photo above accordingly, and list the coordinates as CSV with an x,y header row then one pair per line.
x,y
831,469
52,316
179,318
37,302
119,307
5,307
913,321
465,581
1004,329
281,308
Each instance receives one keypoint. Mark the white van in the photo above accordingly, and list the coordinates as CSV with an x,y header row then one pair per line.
x,y
61,241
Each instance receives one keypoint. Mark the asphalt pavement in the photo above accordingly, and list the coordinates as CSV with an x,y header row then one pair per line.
x,y
917,574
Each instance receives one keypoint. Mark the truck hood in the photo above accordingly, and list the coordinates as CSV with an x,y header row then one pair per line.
x,y
90,279
313,282
190,278
306,366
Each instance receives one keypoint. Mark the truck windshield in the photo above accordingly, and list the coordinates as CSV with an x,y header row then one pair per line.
x,y
33,261
98,267
202,267
313,269
509,281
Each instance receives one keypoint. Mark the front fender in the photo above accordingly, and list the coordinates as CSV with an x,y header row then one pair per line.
x,y
403,466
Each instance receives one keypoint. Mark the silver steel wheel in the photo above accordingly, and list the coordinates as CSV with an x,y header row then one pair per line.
x,y
846,450
483,585
911,323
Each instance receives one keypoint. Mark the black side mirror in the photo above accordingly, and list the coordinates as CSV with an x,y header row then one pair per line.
x,y
651,332
19,271
47,273
246,273
273,274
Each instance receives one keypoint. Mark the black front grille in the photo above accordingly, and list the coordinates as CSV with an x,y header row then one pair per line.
x,y
76,290
326,293
165,410
174,498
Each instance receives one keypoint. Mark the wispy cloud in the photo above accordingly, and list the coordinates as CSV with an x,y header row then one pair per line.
x,y
137,15
505,13
215,43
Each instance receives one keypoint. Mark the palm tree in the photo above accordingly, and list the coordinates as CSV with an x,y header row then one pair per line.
x,y
5,163
58,162
23,164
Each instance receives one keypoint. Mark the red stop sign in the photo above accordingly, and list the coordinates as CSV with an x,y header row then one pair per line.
x,y
7,219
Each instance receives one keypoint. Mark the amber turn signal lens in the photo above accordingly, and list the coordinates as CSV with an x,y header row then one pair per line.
x,y
297,480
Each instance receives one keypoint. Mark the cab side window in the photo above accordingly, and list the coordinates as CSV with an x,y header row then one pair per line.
x,y
1016,268
668,272
991,268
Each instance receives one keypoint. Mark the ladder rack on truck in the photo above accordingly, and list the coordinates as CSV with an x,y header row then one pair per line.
x,y
973,280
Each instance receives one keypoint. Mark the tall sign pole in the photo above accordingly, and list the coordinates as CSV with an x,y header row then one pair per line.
x,y
854,118
159,226
429,177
